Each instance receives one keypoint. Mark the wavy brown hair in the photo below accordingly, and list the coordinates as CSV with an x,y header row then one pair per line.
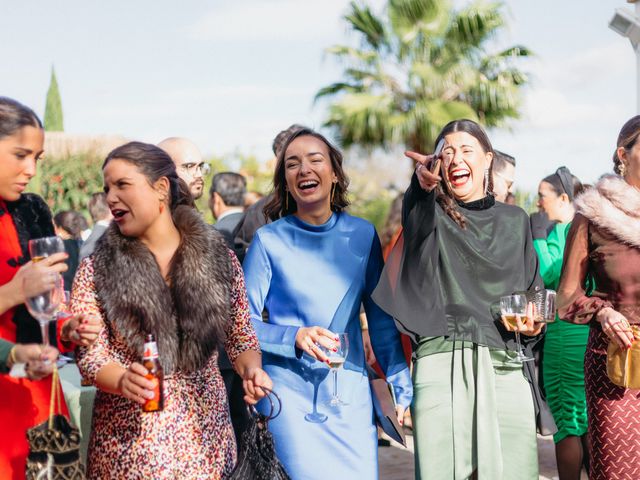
x,y
626,138
277,206
443,195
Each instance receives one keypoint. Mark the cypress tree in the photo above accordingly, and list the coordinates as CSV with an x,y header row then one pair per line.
x,y
53,118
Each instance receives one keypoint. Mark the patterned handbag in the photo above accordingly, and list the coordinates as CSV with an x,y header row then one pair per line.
x,y
623,366
257,459
54,445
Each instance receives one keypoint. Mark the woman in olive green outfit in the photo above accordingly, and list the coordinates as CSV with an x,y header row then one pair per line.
x,y
473,412
564,343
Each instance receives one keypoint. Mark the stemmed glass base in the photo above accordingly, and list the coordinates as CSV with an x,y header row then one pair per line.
x,y
520,356
335,400
316,417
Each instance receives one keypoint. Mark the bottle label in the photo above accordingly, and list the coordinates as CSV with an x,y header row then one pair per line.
x,y
150,351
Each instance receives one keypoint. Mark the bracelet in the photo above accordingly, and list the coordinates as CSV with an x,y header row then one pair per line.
x,y
12,360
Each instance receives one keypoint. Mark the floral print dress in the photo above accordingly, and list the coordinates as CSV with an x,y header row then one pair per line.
x,y
192,438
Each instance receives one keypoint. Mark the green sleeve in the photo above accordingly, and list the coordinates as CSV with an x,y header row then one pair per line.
x,y
5,349
550,252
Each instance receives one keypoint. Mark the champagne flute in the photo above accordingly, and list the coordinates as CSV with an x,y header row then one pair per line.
x,y
336,361
512,306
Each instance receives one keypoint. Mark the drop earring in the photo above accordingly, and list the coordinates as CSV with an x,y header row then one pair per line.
x,y
286,201
486,181
622,168
333,192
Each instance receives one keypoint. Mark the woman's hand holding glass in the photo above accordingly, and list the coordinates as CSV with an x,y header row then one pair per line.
x,y
524,323
311,339
35,278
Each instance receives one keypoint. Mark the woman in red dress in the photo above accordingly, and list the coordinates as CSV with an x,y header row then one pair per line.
x,y
603,245
25,403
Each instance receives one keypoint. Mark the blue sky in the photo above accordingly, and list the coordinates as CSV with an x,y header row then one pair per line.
x,y
231,74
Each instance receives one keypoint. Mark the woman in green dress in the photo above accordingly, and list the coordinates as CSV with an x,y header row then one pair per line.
x,y
565,343
473,411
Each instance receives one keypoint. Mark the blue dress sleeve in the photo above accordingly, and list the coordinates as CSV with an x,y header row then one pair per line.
x,y
276,339
384,335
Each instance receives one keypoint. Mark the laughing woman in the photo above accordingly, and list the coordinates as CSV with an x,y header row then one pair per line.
x,y
311,269
473,412
160,269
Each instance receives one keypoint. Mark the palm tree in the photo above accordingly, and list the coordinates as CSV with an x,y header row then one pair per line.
x,y
419,66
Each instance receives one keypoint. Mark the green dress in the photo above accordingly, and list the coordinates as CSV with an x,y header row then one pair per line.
x,y
473,409
564,347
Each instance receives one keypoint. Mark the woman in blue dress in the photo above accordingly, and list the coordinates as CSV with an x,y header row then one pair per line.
x,y
310,271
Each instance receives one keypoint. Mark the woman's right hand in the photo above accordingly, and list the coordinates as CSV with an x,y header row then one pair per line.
x,y
428,181
134,385
39,360
308,339
35,278
616,327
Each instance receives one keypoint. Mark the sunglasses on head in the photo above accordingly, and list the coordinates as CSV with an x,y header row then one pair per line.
x,y
566,179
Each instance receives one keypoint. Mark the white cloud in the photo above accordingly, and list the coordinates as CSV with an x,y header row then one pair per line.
x,y
589,66
272,20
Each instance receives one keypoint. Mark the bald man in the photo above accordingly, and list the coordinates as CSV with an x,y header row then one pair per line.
x,y
189,164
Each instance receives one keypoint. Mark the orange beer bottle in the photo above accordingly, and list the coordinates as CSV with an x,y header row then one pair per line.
x,y
151,362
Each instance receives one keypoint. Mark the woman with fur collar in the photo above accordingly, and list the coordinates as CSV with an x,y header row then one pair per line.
x,y
160,269
603,246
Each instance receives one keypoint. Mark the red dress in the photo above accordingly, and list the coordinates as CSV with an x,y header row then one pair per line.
x,y
25,403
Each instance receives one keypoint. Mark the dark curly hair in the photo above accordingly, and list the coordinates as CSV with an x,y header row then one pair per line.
x,y
277,206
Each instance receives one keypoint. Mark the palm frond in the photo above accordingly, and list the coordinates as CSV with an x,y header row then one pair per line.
x,y
474,25
338,87
363,20
354,55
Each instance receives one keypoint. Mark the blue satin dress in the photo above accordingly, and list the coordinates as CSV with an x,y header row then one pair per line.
x,y
306,275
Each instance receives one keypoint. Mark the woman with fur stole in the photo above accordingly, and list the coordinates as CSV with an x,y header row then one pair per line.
x,y
603,247
160,269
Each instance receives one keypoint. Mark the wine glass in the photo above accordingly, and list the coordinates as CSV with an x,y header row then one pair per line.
x,y
336,360
44,307
512,306
544,302
40,248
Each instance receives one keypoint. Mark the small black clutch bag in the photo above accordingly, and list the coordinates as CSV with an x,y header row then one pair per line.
x,y
257,458
54,445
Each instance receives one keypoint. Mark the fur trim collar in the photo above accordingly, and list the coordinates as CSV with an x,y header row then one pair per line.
x,y
615,206
189,317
